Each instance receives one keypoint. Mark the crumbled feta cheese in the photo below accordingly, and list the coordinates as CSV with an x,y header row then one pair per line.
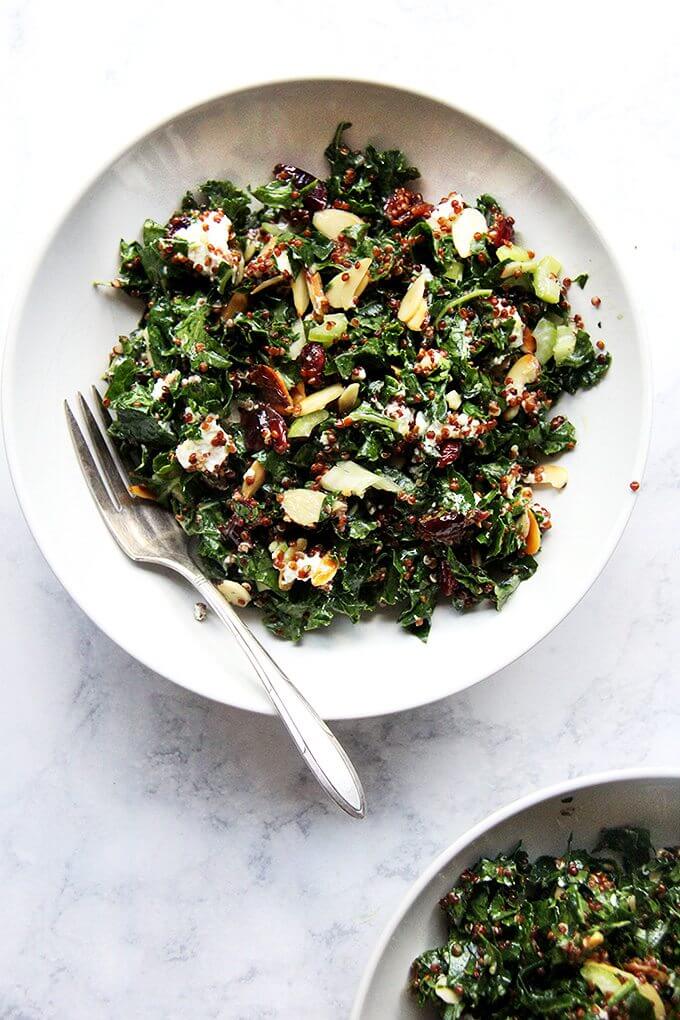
x,y
400,413
442,216
200,612
208,237
295,564
163,384
428,361
208,453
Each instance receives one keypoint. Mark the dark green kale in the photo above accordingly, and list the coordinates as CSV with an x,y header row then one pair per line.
x,y
342,451
569,937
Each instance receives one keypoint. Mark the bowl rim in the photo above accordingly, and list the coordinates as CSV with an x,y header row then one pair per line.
x,y
516,807
63,212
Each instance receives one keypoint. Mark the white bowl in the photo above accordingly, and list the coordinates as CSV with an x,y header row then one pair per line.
x,y
64,328
543,822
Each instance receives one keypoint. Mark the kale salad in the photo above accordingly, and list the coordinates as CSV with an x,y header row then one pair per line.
x,y
345,392
584,935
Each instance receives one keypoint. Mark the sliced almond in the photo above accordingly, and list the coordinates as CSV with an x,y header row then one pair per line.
x,y
238,302
411,303
300,293
351,479
525,370
303,506
271,282
316,292
142,492
234,593
349,398
532,542
465,227
551,474
253,479
418,318
283,264
341,291
332,222
528,341
316,401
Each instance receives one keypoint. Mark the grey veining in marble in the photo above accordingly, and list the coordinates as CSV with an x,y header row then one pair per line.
x,y
164,857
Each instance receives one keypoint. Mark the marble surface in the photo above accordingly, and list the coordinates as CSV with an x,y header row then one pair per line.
x,y
161,856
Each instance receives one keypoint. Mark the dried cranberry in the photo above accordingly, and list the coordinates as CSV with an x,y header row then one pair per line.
x,y
502,230
317,198
448,527
232,529
288,172
312,361
271,386
264,427
404,206
447,581
450,452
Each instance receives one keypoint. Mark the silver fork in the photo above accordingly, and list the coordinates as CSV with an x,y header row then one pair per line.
x,y
148,534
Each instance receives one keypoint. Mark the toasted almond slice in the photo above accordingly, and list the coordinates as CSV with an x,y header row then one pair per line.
x,y
315,401
238,302
234,593
464,228
551,474
271,282
528,341
341,291
414,296
332,222
325,571
348,399
303,506
142,492
418,318
316,292
525,370
253,479
532,542
300,293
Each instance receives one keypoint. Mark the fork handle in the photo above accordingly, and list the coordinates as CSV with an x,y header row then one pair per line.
x,y
319,749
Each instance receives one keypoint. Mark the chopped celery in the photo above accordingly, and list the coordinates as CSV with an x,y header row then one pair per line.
x,y
564,344
302,426
545,334
328,331
546,280
512,253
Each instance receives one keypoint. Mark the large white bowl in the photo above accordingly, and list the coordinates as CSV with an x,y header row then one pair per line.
x,y
64,328
543,822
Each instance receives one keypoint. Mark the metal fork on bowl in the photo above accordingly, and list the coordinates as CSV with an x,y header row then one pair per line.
x,y
149,534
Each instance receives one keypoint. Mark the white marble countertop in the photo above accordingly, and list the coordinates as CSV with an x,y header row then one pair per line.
x,y
161,856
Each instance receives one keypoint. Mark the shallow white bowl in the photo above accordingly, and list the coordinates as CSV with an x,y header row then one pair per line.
x,y
64,328
544,822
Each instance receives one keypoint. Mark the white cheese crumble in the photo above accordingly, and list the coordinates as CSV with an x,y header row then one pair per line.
x,y
208,237
428,361
208,453
163,384
449,209
401,413
295,564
